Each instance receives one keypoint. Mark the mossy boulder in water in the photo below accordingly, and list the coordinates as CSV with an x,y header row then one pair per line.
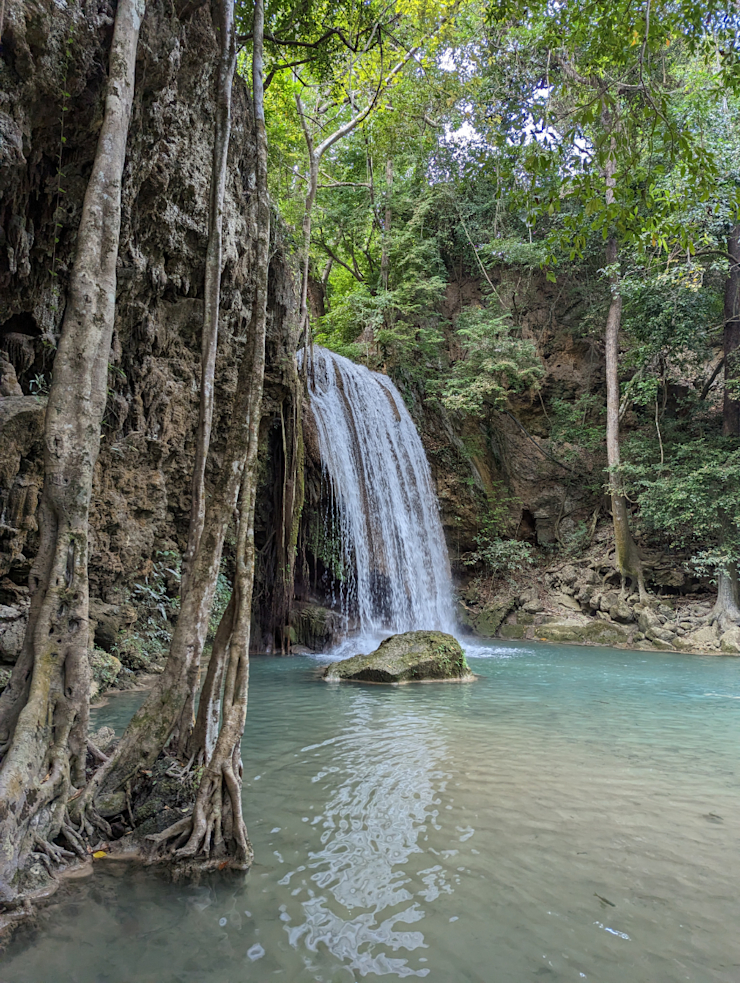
x,y
411,657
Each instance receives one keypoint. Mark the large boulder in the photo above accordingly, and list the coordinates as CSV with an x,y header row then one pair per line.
x,y
702,640
411,657
730,641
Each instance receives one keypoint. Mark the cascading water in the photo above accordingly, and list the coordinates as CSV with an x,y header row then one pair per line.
x,y
396,573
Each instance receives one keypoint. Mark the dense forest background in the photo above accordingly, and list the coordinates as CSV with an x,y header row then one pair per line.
x,y
526,215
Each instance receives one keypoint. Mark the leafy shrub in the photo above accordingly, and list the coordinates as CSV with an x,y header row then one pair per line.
x,y
495,363
499,556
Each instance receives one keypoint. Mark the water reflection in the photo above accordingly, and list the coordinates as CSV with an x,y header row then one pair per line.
x,y
358,895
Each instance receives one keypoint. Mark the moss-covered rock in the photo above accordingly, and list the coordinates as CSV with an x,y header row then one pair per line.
x,y
590,633
314,626
730,641
139,654
162,797
105,669
487,620
410,657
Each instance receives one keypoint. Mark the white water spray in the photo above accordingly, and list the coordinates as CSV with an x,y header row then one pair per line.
x,y
384,506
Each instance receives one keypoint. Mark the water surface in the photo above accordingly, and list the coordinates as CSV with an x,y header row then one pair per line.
x,y
572,815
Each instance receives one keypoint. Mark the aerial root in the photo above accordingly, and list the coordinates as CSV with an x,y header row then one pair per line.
x,y
174,771
50,852
174,831
73,838
96,752
102,824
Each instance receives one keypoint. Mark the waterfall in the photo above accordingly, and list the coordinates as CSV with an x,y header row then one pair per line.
x,y
382,503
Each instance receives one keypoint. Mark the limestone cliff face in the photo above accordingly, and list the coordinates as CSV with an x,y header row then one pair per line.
x,y
141,497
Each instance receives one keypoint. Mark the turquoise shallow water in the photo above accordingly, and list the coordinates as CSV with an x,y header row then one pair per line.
x,y
574,814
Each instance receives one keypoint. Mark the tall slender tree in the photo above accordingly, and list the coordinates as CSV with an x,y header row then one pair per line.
x,y
215,834
597,102
44,712
211,314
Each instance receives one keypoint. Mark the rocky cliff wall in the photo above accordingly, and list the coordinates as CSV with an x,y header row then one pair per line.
x,y
53,67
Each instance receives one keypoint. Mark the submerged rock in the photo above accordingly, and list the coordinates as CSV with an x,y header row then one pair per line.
x,y
410,657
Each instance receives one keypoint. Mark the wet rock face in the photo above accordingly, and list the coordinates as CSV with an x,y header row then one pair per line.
x,y
12,630
141,496
315,627
413,656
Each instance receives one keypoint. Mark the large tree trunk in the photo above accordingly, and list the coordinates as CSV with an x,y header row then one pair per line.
x,y
731,407
45,717
726,611
216,829
628,559
217,833
211,310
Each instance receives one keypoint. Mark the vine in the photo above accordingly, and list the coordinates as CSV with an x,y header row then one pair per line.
x,y
62,140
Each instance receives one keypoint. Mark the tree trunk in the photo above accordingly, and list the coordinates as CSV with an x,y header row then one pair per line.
x,y
628,559
211,309
731,407
313,178
726,611
217,835
385,259
152,725
214,262
45,719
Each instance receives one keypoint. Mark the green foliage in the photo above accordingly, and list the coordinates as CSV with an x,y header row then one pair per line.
x,y
673,313
39,386
577,423
494,363
499,556
105,668
693,498
157,601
